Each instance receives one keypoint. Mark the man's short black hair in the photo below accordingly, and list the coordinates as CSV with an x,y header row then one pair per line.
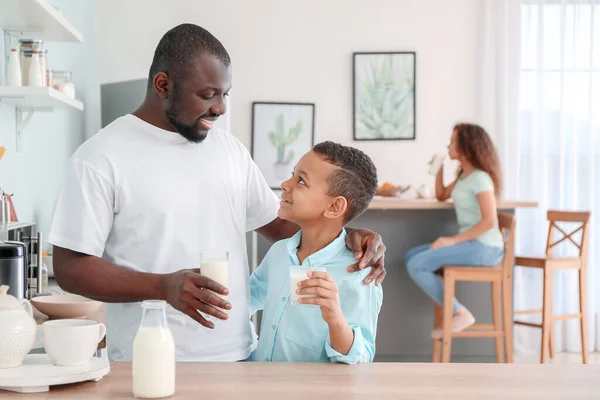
x,y
178,48
356,180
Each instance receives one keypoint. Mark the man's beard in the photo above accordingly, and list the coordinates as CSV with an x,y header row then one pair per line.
x,y
189,132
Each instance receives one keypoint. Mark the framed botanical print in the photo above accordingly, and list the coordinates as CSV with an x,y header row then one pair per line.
x,y
281,134
384,96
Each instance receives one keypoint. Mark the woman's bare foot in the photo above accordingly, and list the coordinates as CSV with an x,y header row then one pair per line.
x,y
461,320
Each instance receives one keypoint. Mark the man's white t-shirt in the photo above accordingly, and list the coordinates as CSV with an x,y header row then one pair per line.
x,y
146,199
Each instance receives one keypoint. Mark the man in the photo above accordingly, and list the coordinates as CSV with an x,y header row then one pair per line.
x,y
145,195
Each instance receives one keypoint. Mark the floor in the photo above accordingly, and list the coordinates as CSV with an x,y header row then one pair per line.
x,y
534,358
559,358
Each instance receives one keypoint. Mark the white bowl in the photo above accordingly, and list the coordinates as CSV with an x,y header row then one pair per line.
x,y
65,306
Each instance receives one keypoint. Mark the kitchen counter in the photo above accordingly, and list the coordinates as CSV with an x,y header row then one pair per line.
x,y
395,203
288,381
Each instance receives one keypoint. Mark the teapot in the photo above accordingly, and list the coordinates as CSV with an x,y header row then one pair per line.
x,y
17,329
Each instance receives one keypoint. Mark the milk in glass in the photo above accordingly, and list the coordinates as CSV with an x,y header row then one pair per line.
x,y
215,265
299,274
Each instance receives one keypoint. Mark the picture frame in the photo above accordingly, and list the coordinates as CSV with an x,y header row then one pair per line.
x,y
281,134
384,95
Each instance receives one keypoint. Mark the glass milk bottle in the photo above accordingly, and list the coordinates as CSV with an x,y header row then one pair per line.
x,y
13,72
153,354
35,72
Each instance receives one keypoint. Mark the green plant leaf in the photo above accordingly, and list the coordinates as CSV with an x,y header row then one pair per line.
x,y
273,139
279,126
294,133
289,157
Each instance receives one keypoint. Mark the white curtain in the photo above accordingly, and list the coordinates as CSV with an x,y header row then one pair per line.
x,y
549,139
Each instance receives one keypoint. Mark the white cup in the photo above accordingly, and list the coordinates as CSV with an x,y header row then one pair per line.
x,y
214,265
71,342
299,274
436,164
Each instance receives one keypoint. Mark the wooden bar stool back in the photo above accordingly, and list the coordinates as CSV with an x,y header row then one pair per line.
x,y
550,263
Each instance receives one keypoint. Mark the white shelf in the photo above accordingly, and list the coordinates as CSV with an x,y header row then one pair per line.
x,y
37,98
39,18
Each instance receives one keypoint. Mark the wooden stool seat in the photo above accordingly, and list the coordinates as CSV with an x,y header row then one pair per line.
x,y
500,277
544,261
475,274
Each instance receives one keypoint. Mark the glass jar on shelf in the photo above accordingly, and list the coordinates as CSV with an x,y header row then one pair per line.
x,y
26,49
35,77
61,81
13,71
44,65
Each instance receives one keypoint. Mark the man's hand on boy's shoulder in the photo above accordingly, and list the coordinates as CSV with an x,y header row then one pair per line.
x,y
369,249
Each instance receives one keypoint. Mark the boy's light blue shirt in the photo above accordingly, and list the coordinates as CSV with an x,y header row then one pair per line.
x,y
297,332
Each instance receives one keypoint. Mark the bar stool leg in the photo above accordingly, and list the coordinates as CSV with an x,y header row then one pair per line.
x,y
546,315
447,319
551,342
507,310
497,317
583,310
438,317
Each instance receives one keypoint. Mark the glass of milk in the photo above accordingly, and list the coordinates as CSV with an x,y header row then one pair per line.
x,y
153,366
214,265
436,163
299,274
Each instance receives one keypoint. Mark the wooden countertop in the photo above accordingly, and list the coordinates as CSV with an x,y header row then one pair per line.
x,y
289,381
395,203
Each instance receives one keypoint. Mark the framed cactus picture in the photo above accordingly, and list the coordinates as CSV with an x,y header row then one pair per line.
x,y
384,96
281,134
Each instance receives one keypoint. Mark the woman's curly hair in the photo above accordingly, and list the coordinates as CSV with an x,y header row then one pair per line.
x,y
476,146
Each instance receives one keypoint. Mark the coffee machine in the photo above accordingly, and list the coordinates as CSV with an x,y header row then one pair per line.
x,y
21,259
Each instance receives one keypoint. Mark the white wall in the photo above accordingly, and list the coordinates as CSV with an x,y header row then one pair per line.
x,y
301,51
34,175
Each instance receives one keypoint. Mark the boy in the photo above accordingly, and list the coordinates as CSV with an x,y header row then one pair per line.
x,y
330,186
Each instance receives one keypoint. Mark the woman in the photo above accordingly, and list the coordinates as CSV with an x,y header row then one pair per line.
x,y
479,242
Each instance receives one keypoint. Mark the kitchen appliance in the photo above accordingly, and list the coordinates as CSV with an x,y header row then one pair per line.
x,y
21,259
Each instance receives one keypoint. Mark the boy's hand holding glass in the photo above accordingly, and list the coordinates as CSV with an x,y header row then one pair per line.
x,y
327,297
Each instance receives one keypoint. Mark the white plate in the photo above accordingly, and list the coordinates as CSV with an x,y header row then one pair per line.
x,y
38,373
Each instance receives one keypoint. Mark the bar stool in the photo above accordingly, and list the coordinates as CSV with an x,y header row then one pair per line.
x,y
550,263
500,278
